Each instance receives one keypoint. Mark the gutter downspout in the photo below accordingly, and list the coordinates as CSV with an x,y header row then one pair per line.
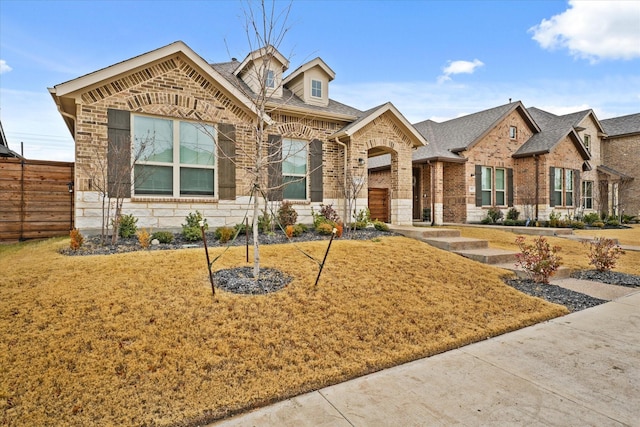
x,y
344,146
537,159
432,195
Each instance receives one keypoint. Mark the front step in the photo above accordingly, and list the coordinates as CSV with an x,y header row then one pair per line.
x,y
420,233
489,255
456,243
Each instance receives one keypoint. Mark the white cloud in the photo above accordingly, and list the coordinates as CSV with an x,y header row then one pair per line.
x,y
4,67
459,67
593,30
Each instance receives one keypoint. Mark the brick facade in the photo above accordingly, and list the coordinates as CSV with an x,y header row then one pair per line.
x,y
623,153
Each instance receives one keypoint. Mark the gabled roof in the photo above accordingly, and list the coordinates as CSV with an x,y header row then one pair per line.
x,y
289,99
4,146
259,53
624,125
70,88
450,137
555,129
370,115
614,173
318,62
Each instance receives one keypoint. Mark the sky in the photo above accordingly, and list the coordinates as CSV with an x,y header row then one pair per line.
x,y
432,59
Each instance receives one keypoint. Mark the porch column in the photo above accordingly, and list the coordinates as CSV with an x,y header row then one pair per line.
x,y
402,189
437,182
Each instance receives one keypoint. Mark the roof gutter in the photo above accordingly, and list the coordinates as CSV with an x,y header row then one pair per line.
x,y
344,146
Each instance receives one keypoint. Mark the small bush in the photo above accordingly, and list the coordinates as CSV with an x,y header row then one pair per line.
x,y
128,226
628,219
513,214
494,214
224,234
339,229
287,215
554,219
613,222
162,236
76,239
324,228
604,253
364,215
485,220
590,218
191,230
359,225
380,226
329,213
509,222
241,228
540,261
144,238
598,224
265,222
295,230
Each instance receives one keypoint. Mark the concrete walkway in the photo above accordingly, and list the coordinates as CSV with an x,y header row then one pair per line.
x,y
582,369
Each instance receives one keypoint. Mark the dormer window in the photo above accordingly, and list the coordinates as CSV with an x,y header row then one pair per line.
x,y
513,132
316,88
270,79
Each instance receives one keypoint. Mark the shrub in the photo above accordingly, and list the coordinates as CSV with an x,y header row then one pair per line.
x,y
603,253
128,226
628,219
380,226
513,214
287,215
265,222
590,218
540,261
191,230
76,239
598,224
613,222
485,220
554,219
224,234
144,238
577,224
494,214
509,222
241,228
329,213
339,229
324,228
162,236
294,230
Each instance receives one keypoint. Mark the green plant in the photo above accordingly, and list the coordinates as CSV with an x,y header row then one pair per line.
x,y
364,215
598,224
324,228
485,220
590,218
494,214
128,226
162,236
577,224
380,226
287,215
241,228
613,222
628,219
509,222
224,234
143,238
513,214
539,260
191,230
329,213
265,222
554,219
76,239
603,253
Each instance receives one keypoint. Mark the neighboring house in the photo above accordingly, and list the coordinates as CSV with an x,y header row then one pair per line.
x,y
501,157
201,120
621,150
4,146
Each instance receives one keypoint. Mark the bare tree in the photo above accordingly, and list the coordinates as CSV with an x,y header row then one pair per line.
x,y
351,187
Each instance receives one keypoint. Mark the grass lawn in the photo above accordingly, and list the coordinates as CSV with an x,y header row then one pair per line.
x,y
138,339
573,253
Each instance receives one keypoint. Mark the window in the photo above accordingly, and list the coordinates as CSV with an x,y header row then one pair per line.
x,y
316,88
562,187
270,79
587,195
294,169
494,186
177,158
587,142
513,132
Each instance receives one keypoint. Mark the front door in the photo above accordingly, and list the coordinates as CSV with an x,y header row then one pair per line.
x,y
417,191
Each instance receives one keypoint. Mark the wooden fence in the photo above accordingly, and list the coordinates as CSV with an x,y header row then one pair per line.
x,y
36,200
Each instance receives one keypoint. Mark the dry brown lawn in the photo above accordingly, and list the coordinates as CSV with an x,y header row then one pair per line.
x,y
573,253
138,339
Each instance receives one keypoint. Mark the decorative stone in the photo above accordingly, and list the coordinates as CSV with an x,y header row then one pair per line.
x,y
155,242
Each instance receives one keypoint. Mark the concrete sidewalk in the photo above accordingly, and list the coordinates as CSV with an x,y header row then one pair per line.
x,y
582,369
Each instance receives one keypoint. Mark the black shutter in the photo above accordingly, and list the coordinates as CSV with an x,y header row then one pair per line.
x,y
576,188
226,161
552,176
509,187
478,185
274,166
118,153
315,175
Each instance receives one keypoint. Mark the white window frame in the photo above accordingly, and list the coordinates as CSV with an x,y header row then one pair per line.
x,y
587,142
176,163
491,186
587,196
270,79
513,132
563,184
316,88
296,176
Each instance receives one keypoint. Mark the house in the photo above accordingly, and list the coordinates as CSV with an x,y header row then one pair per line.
x,y
621,150
503,157
184,133
5,151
